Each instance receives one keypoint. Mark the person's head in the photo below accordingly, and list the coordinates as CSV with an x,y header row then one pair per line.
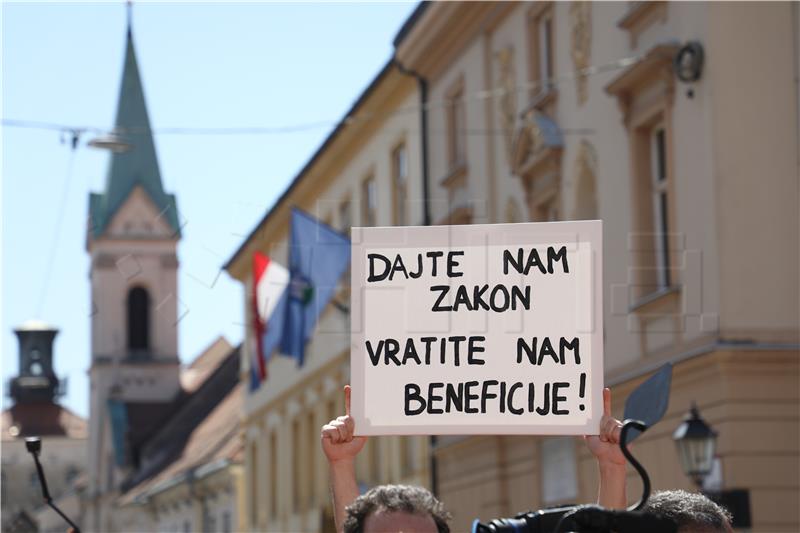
x,y
693,512
396,508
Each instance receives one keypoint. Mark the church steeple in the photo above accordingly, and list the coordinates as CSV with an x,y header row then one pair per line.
x,y
137,165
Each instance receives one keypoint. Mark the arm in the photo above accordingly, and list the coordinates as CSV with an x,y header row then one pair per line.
x,y
610,461
341,449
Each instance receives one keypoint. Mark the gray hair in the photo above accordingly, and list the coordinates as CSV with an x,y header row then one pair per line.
x,y
395,498
691,511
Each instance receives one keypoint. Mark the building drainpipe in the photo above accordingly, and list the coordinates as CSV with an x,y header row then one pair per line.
x,y
423,119
426,210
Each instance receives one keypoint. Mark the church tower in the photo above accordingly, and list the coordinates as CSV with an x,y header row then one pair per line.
x,y
132,238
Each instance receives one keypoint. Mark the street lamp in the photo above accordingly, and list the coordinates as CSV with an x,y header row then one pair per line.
x,y
696,443
111,141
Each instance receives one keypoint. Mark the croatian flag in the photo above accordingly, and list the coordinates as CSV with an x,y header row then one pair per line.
x,y
270,281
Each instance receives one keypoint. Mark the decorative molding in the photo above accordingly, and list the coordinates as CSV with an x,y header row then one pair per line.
x,y
513,214
455,178
640,16
539,8
580,18
585,206
533,145
655,67
508,99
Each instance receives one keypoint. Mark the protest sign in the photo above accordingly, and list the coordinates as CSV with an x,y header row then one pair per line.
x,y
477,329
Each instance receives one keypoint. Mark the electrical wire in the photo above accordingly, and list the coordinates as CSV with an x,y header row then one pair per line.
x,y
59,223
349,119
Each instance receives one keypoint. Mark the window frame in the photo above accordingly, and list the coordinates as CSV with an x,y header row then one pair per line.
x,y
399,173
456,121
543,90
660,194
345,214
369,201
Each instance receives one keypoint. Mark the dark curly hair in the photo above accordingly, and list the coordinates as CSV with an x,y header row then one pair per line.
x,y
395,498
692,512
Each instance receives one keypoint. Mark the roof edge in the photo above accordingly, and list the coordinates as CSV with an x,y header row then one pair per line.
x,y
340,126
410,22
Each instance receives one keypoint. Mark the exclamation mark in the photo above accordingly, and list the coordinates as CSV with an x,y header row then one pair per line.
x,y
582,392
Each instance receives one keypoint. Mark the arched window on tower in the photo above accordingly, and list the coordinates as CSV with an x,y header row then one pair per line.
x,y
138,319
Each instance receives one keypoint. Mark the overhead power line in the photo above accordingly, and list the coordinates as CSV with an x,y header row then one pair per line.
x,y
308,126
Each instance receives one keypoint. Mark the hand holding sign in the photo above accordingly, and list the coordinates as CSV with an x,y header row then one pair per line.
x,y
338,441
605,446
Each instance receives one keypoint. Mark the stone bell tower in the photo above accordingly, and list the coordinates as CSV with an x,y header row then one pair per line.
x,y
132,241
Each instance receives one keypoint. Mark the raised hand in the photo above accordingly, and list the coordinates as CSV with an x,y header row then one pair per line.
x,y
338,441
605,446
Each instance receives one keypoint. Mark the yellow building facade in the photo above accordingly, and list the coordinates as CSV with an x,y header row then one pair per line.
x,y
350,181
570,110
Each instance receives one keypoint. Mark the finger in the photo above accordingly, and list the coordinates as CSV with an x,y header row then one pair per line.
x,y
347,428
330,432
344,436
607,401
347,400
612,430
616,431
608,428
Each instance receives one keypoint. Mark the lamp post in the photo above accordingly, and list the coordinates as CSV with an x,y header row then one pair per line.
x,y
696,442
112,141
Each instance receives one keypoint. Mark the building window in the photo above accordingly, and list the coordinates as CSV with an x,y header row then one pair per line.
x,y
546,62
400,184
71,474
345,217
645,93
138,319
312,436
375,460
658,165
559,470
253,467
226,522
456,127
297,479
332,409
408,455
368,202
541,39
209,521
273,474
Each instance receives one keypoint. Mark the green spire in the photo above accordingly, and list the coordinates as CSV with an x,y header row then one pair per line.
x,y
139,164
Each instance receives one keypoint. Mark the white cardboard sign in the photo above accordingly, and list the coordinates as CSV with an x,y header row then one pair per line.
x,y
477,329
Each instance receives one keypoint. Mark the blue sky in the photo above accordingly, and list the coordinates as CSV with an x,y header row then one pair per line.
x,y
202,65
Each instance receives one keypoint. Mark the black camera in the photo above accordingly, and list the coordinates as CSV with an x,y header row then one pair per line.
x,y
581,518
